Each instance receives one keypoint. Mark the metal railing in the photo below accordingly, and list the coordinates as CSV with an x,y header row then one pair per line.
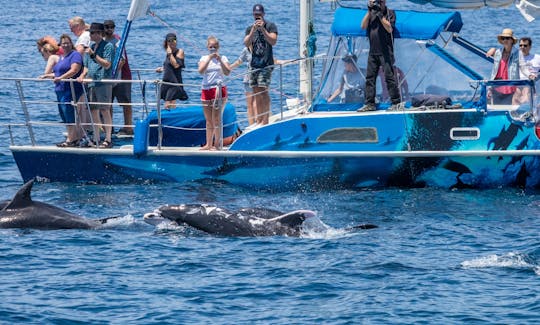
x,y
41,91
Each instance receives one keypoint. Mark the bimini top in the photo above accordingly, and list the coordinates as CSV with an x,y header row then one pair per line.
x,y
409,24
465,4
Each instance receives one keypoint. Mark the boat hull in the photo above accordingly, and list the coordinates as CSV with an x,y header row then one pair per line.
x,y
285,170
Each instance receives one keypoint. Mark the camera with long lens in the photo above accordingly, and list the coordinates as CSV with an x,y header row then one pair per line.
x,y
376,6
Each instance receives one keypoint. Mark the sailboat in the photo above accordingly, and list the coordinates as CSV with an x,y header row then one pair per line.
x,y
463,140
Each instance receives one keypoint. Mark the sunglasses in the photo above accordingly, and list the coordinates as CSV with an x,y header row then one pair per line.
x,y
523,45
505,38
92,33
109,26
171,40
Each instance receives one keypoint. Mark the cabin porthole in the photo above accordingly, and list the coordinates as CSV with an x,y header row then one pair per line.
x,y
349,135
465,133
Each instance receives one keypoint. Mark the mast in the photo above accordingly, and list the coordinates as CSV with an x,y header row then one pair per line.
x,y
306,66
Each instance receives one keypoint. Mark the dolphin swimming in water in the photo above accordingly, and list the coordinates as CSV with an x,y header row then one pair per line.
x,y
244,222
22,212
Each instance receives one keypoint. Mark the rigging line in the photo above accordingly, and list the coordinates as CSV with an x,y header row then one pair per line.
x,y
179,35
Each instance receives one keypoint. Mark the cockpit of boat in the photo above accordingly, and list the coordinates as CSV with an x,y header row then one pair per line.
x,y
432,61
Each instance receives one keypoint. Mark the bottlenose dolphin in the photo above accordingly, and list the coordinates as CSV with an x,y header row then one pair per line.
x,y
22,212
244,222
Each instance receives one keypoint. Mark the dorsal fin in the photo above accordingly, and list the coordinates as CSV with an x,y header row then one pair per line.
x,y
295,218
23,196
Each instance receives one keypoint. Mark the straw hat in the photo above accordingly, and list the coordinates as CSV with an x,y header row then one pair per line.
x,y
507,32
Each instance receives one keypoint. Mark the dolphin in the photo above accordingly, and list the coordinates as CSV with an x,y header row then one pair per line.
x,y
246,222
22,212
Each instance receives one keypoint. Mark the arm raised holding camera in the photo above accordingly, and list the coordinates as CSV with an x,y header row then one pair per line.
x,y
259,25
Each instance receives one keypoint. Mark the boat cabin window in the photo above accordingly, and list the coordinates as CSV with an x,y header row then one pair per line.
x,y
348,135
464,133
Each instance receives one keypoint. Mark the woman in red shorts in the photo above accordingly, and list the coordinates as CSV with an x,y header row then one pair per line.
x,y
213,67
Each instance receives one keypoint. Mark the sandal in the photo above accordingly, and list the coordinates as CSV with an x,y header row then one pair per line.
x,y
68,144
106,144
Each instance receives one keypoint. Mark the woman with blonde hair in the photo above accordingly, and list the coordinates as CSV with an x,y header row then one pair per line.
x,y
213,67
49,53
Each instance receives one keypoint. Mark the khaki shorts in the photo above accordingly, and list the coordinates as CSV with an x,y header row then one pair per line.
x,y
101,94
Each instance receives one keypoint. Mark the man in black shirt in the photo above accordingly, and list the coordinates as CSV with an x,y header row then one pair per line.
x,y
260,38
379,22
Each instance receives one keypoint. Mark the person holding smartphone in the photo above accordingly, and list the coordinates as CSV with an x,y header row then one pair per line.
x,y
261,36
213,67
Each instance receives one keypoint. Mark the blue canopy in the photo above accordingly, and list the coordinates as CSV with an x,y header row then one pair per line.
x,y
409,24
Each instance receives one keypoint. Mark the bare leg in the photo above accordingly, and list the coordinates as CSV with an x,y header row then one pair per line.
x,y
96,116
262,99
251,107
217,118
169,104
107,120
207,110
128,119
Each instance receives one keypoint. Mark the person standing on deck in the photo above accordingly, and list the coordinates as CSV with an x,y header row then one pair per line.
x,y
172,88
261,37
122,90
214,67
78,27
505,67
97,66
245,56
380,22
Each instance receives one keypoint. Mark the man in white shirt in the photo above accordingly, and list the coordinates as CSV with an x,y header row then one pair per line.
x,y
529,63
529,66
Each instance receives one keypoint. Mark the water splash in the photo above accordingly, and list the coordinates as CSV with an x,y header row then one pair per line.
x,y
512,260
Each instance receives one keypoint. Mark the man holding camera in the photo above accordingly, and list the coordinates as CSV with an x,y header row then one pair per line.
x,y
260,37
379,22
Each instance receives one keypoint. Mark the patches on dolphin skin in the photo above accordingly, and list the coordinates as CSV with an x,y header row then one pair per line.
x,y
245,222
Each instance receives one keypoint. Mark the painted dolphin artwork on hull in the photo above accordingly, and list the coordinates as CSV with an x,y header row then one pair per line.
x,y
22,212
246,222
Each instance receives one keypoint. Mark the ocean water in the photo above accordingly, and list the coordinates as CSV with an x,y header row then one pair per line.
x,y
437,256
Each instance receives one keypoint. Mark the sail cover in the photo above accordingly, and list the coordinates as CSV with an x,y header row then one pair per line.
x,y
530,9
465,4
409,24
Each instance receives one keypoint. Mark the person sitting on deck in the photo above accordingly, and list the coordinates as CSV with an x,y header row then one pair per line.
x,y
352,84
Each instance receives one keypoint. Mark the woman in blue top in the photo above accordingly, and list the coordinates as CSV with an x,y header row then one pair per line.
x,y
69,66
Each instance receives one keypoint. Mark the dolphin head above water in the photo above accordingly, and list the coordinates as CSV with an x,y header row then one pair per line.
x,y
244,222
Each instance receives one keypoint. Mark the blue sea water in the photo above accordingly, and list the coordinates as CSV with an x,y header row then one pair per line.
x,y
438,256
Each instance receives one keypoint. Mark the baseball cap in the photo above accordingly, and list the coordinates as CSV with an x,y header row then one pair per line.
x,y
258,9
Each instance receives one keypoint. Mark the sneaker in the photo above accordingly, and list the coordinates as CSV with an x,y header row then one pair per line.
x,y
367,108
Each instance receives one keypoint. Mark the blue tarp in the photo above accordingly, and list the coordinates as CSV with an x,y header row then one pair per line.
x,y
190,126
409,24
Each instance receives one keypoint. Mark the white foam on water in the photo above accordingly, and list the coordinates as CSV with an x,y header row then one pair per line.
x,y
510,260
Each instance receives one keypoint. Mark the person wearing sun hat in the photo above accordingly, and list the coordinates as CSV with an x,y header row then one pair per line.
x,y
505,67
97,61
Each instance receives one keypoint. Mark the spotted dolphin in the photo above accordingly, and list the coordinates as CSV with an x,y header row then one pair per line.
x,y
245,222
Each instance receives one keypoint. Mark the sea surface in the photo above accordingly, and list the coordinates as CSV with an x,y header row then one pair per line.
x,y
437,257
